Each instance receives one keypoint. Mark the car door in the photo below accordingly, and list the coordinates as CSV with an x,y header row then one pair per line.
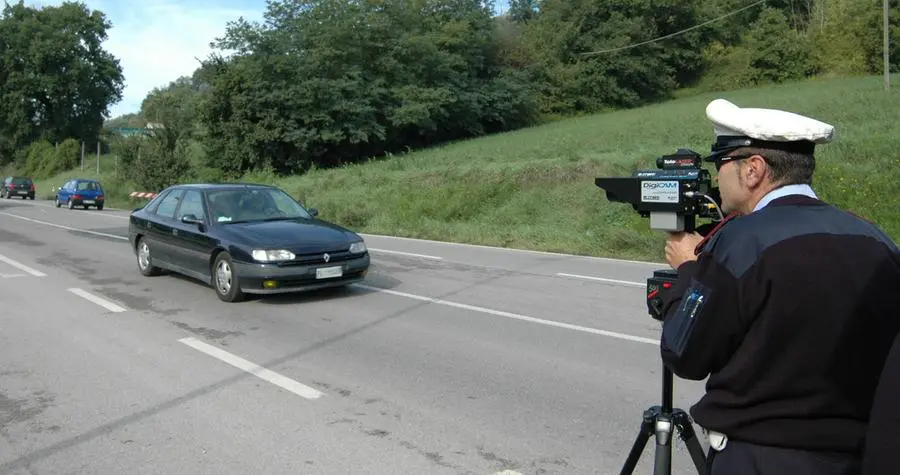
x,y
191,244
62,194
161,227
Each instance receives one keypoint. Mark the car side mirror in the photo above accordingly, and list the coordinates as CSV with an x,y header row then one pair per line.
x,y
191,219
314,212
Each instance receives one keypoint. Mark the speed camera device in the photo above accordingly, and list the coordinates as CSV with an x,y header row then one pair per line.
x,y
673,196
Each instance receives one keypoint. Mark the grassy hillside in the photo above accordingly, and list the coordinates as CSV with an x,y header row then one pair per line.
x,y
535,189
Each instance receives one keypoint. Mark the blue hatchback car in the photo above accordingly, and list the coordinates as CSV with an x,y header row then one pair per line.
x,y
80,192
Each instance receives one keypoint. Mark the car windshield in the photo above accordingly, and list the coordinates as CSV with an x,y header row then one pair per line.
x,y
21,181
253,204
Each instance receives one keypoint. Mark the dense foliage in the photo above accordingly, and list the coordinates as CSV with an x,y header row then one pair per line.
x,y
321,83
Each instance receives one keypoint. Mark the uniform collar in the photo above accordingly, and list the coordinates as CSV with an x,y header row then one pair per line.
x,y
783,191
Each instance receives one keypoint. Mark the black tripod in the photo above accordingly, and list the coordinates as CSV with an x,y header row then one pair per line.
x,y
660,420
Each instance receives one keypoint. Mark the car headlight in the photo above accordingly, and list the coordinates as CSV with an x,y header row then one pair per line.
x,y
267,255
358,247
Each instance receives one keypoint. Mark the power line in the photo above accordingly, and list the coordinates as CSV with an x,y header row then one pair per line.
x,y
670,35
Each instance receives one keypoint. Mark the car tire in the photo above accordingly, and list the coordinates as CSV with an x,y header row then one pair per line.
x,y
145,259
225,279
99,207
56,200
71,204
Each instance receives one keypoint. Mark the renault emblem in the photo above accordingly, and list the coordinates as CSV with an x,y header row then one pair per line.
x,y
326,257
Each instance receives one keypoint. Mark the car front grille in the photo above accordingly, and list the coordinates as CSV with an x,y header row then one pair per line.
x,y
319,258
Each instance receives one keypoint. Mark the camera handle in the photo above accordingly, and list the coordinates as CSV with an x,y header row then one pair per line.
x,y
662,421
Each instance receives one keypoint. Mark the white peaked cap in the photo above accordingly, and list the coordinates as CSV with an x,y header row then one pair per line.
x,y
770,128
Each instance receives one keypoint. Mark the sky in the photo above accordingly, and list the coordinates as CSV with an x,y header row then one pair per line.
x,y
157,41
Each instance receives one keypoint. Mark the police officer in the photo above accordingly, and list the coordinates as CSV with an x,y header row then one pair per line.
x,y
788,306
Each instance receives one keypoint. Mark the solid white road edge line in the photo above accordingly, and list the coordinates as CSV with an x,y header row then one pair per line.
x,y
97,300
424,256
22,267
601,279
283,382
500,313
60,226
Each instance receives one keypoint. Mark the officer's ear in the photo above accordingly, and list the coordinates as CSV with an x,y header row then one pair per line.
x,y
754,170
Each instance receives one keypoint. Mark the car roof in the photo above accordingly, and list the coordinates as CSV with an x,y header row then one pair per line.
x,y
222,186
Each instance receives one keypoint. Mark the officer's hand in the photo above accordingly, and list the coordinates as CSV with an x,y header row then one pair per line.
x,y
680,248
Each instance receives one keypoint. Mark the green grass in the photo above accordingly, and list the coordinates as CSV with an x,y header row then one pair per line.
x,y
534,188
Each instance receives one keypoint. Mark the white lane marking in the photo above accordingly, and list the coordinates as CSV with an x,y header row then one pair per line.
x,y
10,276
97,300
602,279
508,472
516,316
60,226
105,214
424,256
22,267
510,249
283,382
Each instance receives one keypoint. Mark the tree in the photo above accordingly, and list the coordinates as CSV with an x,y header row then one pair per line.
x,y
56,80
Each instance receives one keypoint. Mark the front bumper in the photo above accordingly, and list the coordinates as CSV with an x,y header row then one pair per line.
x,y
275,279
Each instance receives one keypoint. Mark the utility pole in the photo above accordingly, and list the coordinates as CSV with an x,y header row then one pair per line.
x,y
887,54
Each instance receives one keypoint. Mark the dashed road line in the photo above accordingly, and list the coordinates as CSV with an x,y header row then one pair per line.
x,y
112,307
282,382
22,267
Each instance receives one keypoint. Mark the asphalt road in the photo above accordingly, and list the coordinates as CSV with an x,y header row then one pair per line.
x,y
449,359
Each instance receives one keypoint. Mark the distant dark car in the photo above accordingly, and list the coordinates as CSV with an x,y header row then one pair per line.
x,y
82,192
244,239
17,186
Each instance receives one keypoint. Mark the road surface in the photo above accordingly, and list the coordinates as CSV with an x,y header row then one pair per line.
x,y
449,359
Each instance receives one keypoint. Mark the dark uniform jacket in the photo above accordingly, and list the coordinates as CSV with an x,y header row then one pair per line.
x,y
882,439
791,311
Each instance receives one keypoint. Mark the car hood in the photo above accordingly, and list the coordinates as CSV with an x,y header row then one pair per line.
x,y
299,235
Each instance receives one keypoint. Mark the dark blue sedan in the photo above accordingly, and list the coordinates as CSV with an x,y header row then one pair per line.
x,y
244,239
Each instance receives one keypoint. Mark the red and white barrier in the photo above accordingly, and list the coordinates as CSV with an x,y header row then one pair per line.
x,y
142,194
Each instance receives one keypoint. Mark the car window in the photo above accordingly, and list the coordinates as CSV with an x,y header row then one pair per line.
x,y
155,201
191,204
253,204
21,181
88,186
168,204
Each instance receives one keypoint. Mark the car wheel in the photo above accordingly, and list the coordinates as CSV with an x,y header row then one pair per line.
x,y
225,279
99,207
145,260
71,204
56,201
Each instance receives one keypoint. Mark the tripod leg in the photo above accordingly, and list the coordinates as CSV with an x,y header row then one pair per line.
x,y
664,429
686,431
647,428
